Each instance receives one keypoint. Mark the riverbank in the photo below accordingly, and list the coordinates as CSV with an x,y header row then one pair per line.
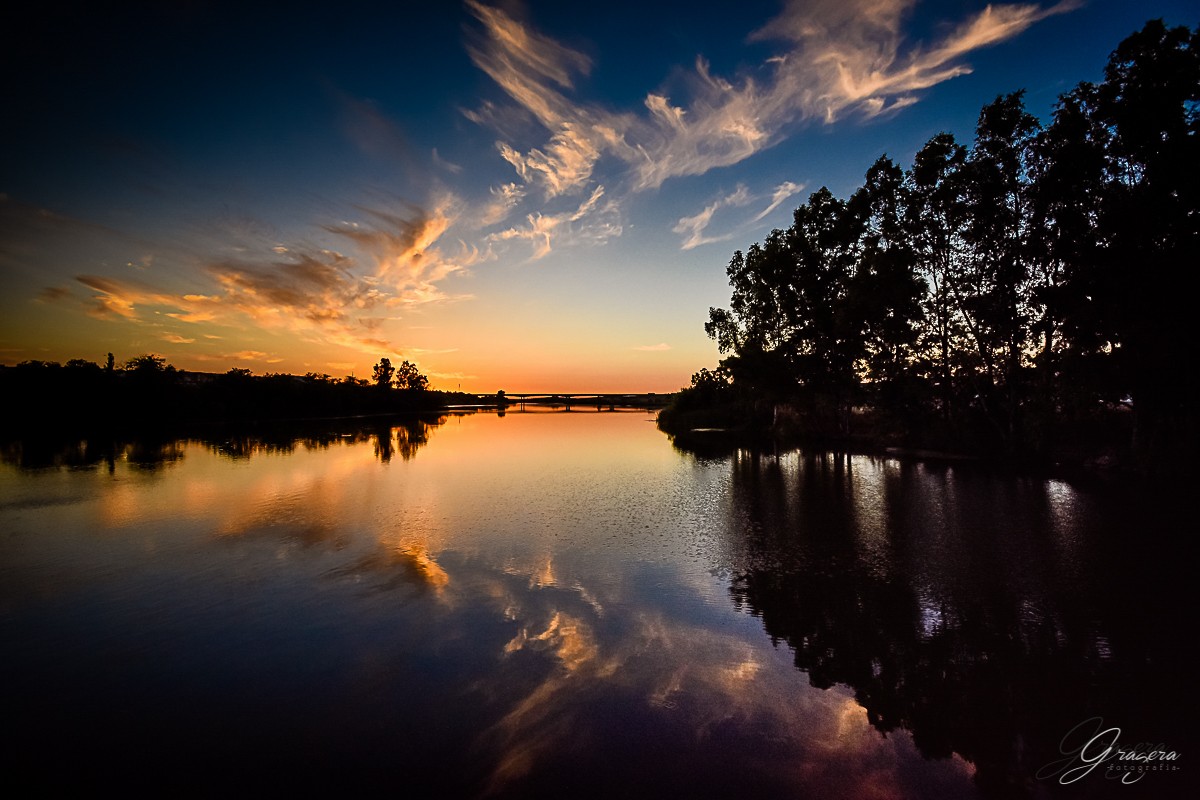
x,y
1095,448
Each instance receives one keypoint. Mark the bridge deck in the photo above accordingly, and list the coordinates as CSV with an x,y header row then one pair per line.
x,y
578,398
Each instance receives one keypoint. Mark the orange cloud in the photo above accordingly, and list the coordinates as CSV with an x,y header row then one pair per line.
x,y
175,338
113,298
241,355
329,296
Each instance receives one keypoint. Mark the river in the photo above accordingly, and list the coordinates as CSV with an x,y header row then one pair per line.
x,y
566,604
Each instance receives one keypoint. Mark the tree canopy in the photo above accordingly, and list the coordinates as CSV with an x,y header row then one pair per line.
x,y
998,291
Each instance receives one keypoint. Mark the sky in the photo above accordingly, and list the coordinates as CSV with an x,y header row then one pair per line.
x,y
528,196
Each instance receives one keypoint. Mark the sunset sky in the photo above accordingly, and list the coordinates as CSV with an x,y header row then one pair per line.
x,y
537,196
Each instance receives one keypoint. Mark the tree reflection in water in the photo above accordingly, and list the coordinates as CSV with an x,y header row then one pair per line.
x,y
149,452
956,613
144,453
405,438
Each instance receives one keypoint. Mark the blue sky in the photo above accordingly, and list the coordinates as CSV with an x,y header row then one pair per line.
x,y
529,196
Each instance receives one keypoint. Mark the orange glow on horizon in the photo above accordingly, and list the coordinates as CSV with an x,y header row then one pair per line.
x,y
469,357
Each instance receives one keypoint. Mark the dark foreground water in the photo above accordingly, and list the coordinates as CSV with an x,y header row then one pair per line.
x,y
566,605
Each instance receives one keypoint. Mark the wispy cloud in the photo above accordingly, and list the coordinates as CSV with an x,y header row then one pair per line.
x,y
654,348
723,125
175,338
451,376
112,298
850,54
838,57
504,199
536,72
396,261
591,221
240,355
405,250
564,166
782,192
841,57
525,63
449,166
426,351
693,228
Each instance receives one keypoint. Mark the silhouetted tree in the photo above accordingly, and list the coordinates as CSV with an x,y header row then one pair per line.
x,y
786,328
409,377
994,289
383,373
935,222
147,363
825,334
1150,223
885,291
1008,287
1068,174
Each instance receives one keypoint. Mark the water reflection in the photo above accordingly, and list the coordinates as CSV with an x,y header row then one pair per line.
x,y
40,453
561,605
389,437
986,615
404,439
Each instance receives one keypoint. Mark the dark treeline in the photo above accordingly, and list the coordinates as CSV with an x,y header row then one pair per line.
x,y
147,392
1018,296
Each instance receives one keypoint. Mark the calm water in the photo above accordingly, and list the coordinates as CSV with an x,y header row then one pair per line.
x,y
564,604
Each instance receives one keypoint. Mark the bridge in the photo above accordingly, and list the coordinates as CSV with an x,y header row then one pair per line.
x,y
600,400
